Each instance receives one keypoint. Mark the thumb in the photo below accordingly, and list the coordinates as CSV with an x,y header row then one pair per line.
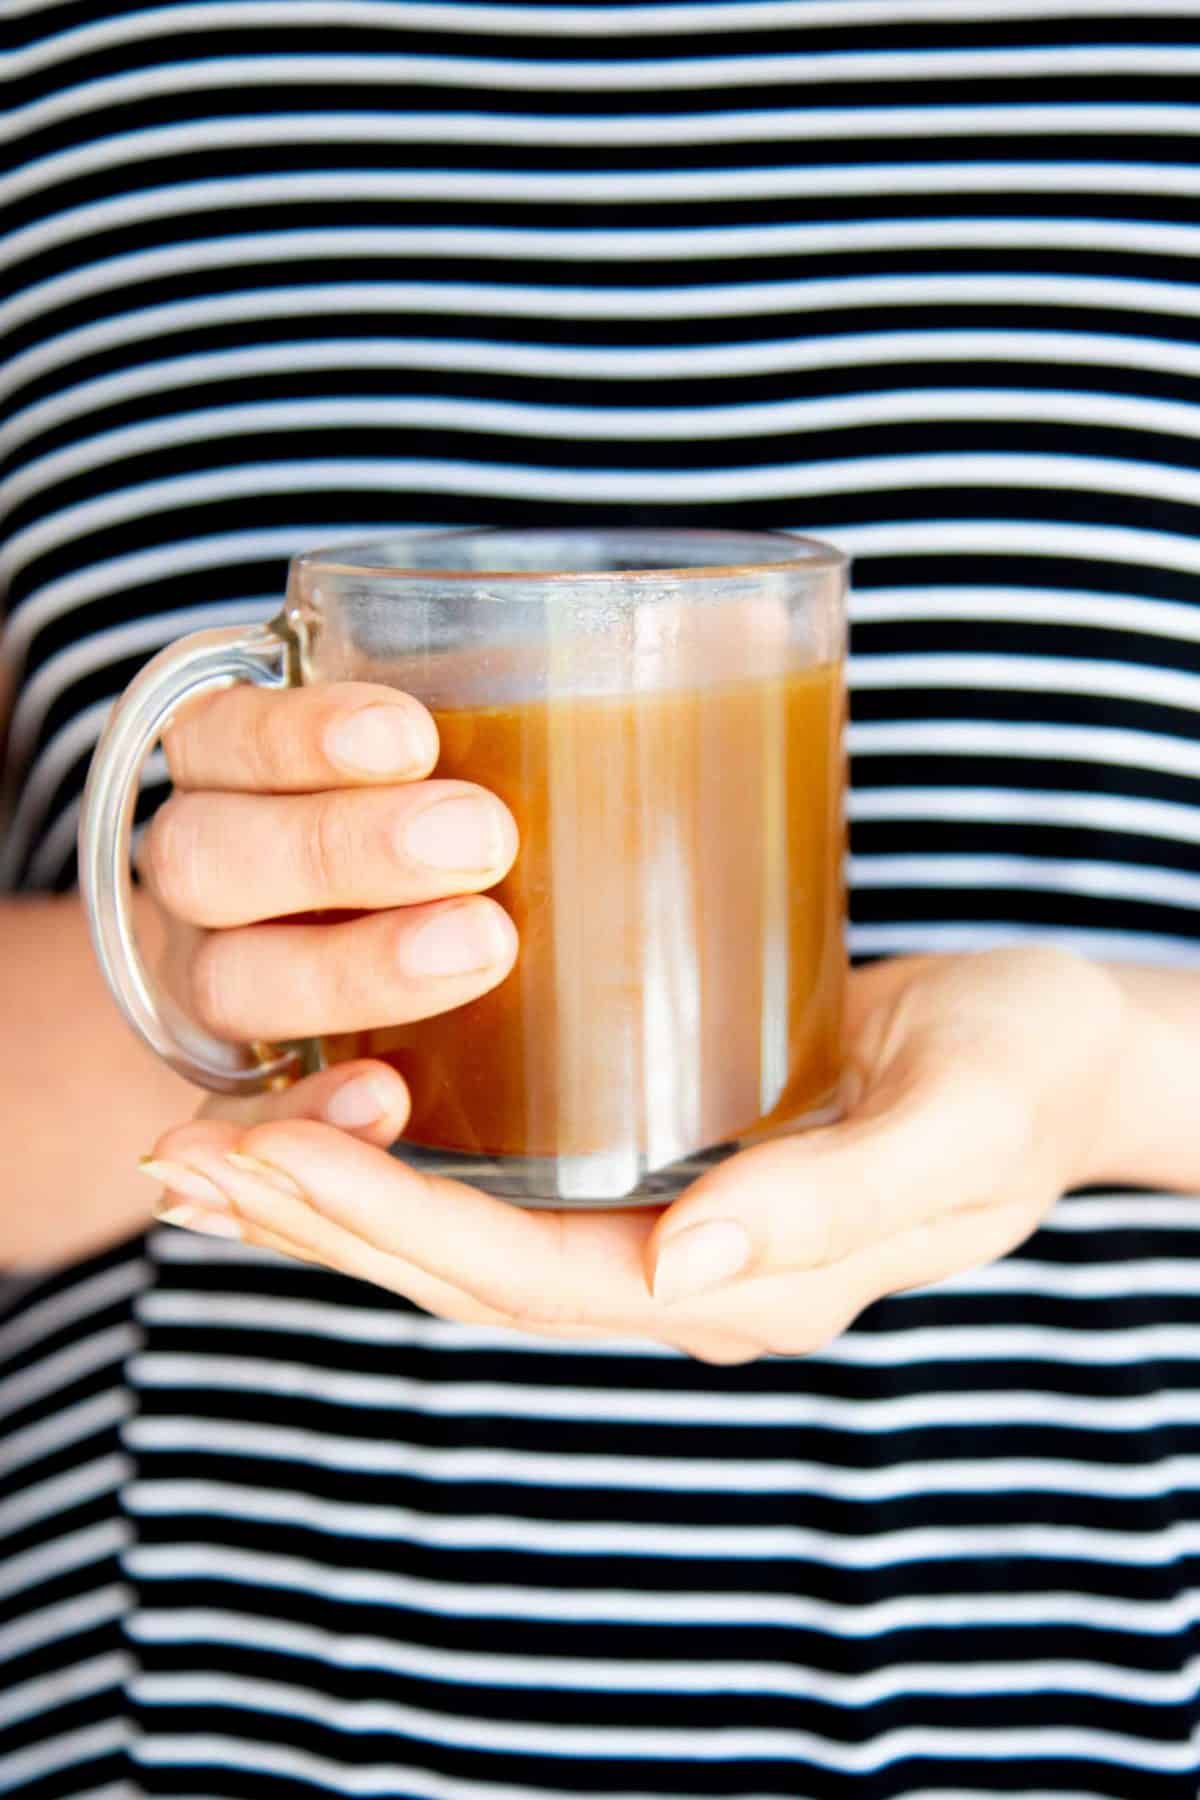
x,y
368,1100
809,1201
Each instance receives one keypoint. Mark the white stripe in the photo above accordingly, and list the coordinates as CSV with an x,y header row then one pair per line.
x,y
76,739
791,481
1094,676
720,300
553,1537
88,399
64,1751
379,1324
875,1349
1054,1345
185,557
610,1675
224,1438
57,844
171,1246
1024,538
79,736
137,637
789,1411
1029,605
1079,1281
49,1561
769,125
1005,806
48,1500
69,1618
645,74
70,1425
658,20
916,408
1097,744
559,1605
764,125
46,1693
569,1606
95,1294
224,1310
59,1372
187,1750
1154,950
1125,1212
1026,874
443,187
716,1744
1120,1211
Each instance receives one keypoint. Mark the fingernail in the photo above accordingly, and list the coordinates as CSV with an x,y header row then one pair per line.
x,y
182,1180
266,1172
700,1259
462,833
378,740
357,1102
455,942
194,1218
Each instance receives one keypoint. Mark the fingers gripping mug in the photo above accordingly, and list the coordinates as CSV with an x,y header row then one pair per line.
x,y
662,711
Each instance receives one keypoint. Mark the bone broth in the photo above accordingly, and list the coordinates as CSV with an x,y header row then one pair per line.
x,y
678,895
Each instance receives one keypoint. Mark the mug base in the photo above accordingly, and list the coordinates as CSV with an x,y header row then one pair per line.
x,y
600,1182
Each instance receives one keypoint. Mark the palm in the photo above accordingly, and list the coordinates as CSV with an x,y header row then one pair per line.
x,y
939,1163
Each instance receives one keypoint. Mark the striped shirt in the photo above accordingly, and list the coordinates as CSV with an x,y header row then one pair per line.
x,y
919,276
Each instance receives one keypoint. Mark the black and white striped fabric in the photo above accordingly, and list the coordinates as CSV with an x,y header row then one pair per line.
x,y
922,276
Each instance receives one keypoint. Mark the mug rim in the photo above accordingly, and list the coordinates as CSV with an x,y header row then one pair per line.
x,y
815,555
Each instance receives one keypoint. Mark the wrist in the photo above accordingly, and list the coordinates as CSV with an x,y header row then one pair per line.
x,y
1043,1028
1069,1061
1148,1124
1100,1126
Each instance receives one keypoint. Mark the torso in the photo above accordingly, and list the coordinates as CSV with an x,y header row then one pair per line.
x,y
921,278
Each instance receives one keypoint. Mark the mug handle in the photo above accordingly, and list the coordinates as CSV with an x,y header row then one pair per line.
x,y
198,664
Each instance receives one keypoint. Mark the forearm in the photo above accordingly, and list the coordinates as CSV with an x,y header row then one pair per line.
x,y
1149,1118
82,1098
1141,1102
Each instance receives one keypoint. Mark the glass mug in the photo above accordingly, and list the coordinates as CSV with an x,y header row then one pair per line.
x,y
662,711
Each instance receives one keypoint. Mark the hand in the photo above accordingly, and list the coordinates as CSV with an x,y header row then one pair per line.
x,y
287,804
978,1087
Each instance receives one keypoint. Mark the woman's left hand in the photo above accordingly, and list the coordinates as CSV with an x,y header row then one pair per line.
x,y
977,1092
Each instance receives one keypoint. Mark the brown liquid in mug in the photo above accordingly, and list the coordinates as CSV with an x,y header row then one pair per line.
x,y
679,899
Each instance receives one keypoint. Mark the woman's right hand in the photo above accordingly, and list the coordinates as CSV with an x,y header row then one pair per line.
x,y
288,804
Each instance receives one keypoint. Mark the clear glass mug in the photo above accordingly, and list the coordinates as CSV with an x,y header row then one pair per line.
x,y
663,713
